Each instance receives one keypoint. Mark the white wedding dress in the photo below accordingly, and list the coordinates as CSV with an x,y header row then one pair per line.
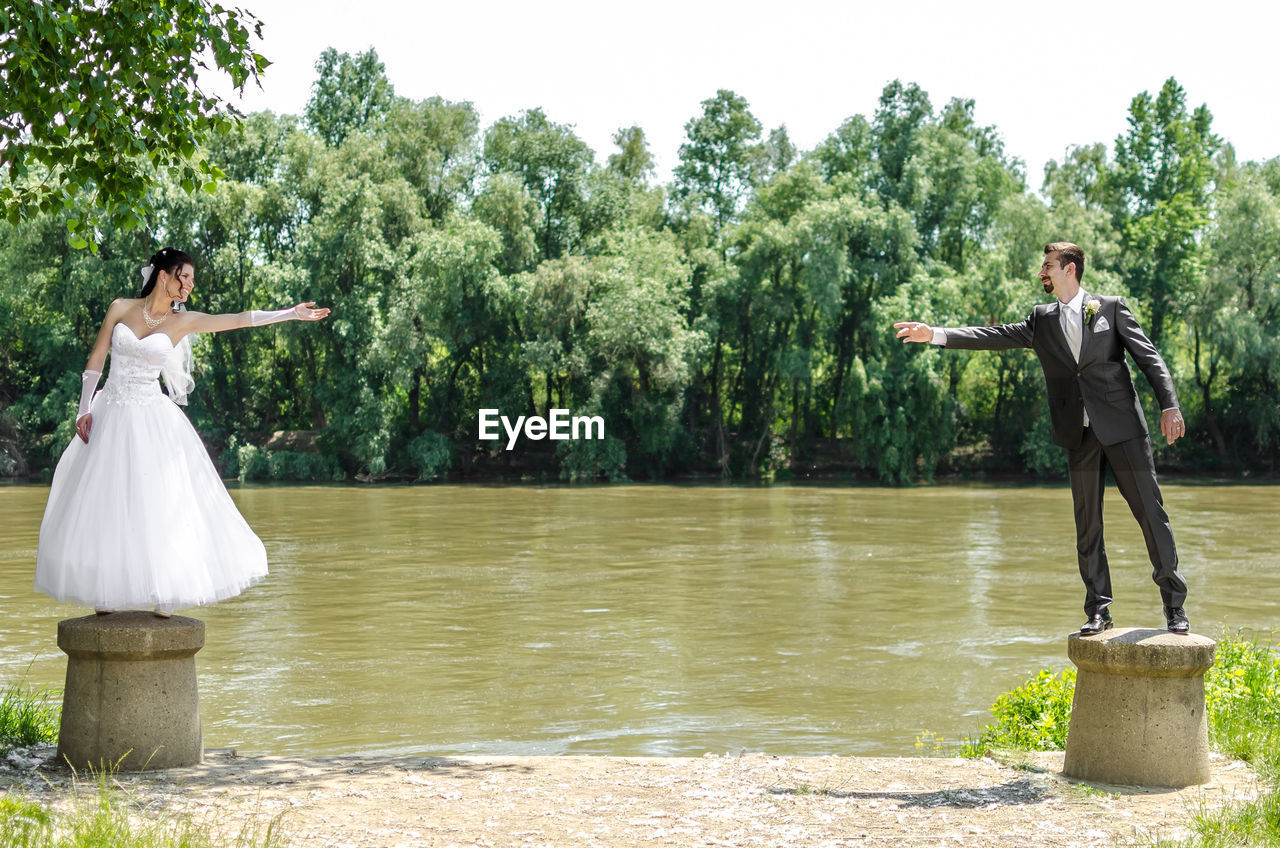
x,y
138,516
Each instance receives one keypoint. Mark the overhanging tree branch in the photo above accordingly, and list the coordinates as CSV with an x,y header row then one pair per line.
x,y
102,94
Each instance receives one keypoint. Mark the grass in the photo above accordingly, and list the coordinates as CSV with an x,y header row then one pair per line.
x,y
105,817
1242,700
28,717
1242,704
102,816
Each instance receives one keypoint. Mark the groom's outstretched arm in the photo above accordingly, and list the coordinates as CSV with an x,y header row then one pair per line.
x,y
999,337
914,331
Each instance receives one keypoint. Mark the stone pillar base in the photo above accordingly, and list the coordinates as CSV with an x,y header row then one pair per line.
x,y
130,702
1137,717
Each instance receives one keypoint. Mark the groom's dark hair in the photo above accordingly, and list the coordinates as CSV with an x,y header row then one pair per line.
x,y
1068,253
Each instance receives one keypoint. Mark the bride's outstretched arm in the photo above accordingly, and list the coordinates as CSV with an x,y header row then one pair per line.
x,y
200,322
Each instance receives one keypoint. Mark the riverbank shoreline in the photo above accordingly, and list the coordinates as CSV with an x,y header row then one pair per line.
x,y
840,477
746,800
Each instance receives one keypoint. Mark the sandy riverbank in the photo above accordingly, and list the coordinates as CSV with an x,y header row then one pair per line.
x,y
749,800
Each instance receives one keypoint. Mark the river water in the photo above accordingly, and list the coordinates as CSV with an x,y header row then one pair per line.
x,y
656,620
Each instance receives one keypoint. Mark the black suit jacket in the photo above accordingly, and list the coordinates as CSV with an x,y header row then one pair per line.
x,y
1099,383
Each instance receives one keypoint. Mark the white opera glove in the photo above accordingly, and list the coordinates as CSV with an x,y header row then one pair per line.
x,y
259,318
88,383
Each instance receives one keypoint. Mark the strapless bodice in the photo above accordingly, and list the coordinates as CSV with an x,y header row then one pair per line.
x,y
133,376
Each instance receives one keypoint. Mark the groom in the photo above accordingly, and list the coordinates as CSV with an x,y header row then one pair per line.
x,y
1081,341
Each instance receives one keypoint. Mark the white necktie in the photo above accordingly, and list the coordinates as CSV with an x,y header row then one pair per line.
x,y
1071,327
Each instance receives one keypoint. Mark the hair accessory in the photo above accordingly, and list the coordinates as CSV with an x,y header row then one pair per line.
x,y
146,273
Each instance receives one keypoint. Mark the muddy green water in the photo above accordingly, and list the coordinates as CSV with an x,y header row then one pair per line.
x,y
656,620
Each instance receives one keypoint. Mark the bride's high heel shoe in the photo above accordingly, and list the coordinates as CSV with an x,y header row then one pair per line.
x,y
164,611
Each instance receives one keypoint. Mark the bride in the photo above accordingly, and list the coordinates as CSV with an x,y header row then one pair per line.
x,y
137,514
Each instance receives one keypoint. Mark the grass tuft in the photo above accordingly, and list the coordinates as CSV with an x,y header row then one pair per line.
x,y
28,717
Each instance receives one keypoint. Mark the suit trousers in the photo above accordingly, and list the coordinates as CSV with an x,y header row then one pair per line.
x,y
1134,469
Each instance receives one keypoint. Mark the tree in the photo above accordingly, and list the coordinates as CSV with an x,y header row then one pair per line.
x,y
1083,176
1163,177
903,113
846,155
640,346
1234,317
719,161
619,195
951,174
772,313
436,145
552,303
553,164
967,180
447,310
633,161
100,96
779,152
350,93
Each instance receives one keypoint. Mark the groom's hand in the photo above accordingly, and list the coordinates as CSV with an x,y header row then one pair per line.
x,y
914,331
1172,425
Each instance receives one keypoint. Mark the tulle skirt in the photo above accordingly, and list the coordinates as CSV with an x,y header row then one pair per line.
x,y
138,517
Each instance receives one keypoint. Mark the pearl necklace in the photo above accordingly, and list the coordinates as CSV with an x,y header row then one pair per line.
x,y
152,323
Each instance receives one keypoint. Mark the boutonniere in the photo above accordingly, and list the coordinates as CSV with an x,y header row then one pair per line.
x,y
1091,309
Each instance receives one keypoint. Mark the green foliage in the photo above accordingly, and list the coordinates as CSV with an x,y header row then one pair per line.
x,y
1033,717
593,459
28,718
434,146
1252,823
252,463
1242,700
1234,318
431,454
100,98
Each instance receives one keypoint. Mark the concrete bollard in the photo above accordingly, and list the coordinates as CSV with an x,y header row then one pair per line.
x,y
130,702
1137,716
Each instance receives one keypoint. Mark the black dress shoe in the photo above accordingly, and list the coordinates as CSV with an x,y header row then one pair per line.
x,y
1100,622
1177,619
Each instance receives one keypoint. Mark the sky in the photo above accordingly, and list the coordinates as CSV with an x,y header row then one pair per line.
x,y
1047,76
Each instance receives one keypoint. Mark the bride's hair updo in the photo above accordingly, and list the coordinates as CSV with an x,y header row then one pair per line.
x,y
167,259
